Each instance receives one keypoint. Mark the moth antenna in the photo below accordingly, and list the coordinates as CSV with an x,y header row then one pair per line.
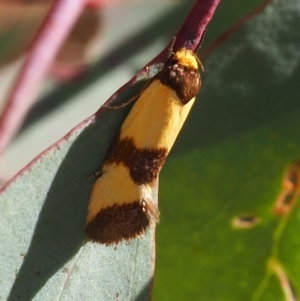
x,y
198,61
132,99
202,38
200,44
170,48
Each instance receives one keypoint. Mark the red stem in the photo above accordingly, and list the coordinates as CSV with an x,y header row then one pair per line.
x,y
191,32
54,30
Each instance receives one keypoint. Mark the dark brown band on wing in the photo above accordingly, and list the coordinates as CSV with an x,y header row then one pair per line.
x,y
183,80
144,164
118,222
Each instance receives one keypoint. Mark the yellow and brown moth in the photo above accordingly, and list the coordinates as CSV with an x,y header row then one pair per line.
x,y
121,205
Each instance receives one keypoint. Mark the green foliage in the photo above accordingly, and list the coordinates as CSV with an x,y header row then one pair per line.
x,y
241,137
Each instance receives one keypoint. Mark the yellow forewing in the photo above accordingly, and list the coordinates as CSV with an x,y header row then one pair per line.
x,y
156,118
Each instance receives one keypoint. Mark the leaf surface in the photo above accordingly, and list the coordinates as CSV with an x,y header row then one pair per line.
x,y
231,157
43,211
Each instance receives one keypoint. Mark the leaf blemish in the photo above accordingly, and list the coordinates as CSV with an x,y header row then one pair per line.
x,y
287,199
245,221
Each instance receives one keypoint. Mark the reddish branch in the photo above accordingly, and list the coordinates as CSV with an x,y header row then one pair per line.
x,y
50,37
192,30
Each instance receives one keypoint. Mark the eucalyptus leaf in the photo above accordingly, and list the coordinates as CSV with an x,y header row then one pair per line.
x,y
230,161
43,254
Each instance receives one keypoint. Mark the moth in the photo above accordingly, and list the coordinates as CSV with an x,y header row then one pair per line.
x,y
121,205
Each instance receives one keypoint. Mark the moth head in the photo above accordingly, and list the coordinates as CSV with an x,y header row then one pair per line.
x,y
188,58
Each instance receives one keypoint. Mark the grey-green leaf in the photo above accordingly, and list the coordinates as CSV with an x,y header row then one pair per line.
x,y
43,255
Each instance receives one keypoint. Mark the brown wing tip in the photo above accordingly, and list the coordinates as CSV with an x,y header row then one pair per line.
x,y
120,222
